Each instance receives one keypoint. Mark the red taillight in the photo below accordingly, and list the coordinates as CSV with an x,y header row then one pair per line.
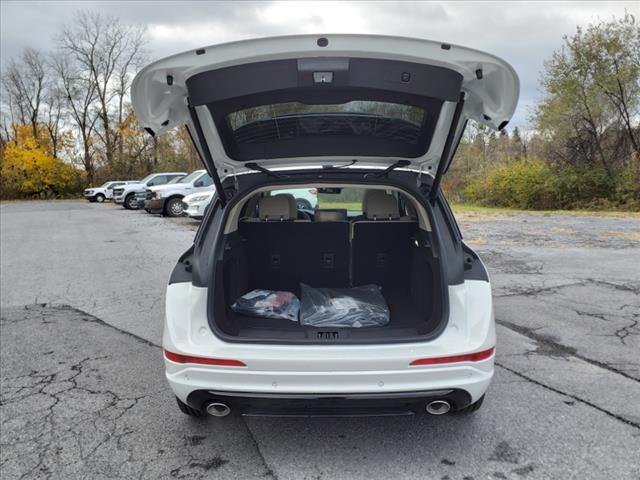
x,y
176,357
313,191
469,357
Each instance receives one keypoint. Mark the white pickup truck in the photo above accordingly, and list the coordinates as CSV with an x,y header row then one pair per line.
x,y
104,191
167,199
126,194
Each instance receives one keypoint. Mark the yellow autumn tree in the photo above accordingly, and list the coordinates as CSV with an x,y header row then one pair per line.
x,y
27,168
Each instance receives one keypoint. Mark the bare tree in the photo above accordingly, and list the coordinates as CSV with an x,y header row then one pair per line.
x,y
107,50
80,94
6,118
24,84
53,116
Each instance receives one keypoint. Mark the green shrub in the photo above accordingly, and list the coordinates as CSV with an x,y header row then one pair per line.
x,y
582,187
534,184
524,184
628,185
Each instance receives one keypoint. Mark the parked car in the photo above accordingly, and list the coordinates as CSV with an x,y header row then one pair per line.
x,y
195,204
306,198
167,199
126,194
141,197
103,192
242,332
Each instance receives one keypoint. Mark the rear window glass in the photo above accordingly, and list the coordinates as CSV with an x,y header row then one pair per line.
x,y
318,197
355,119
354,109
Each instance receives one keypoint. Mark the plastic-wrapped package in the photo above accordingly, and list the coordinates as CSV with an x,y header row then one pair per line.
x,y
268,304
355,307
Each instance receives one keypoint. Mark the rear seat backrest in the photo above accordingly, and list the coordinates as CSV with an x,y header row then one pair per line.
x,y
282,254
380,248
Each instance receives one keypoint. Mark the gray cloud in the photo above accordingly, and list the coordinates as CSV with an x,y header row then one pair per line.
x,y
522,33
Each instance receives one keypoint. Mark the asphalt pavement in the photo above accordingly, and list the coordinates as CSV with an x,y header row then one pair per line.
x,y
82,393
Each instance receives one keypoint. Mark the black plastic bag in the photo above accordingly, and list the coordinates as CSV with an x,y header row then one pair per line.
x,y
268,304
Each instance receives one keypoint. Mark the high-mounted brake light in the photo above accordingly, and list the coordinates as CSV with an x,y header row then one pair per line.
x,y
225,362
470,357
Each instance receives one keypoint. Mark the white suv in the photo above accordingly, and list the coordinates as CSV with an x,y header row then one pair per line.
x,y
195,204
167,199
275,310
103,192
126,194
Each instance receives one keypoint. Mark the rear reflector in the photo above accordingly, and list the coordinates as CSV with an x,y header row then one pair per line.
x,y
469,357
176,357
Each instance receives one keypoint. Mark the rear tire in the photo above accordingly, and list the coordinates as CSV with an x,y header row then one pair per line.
x,y
187,410
173,207
99,198
471,408
130,202
303,204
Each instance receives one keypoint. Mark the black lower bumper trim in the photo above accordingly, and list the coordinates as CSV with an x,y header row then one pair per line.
x,y
311,405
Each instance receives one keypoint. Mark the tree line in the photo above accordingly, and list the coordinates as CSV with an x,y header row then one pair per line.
x,y
68,109
66,122
583,147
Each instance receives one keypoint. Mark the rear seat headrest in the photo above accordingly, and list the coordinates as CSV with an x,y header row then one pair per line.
x,y
380,205
274,209
293,209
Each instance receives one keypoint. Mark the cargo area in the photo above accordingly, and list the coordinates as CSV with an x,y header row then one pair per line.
x,y
281,248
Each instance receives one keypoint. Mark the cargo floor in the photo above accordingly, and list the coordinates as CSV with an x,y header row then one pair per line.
x,y
404,320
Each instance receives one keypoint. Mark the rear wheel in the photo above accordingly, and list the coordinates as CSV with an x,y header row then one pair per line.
x,y
130,202
174,207
303,204
473,407
99,198
187,410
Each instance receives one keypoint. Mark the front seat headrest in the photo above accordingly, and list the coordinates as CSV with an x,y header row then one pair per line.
x,y
380,205
274,209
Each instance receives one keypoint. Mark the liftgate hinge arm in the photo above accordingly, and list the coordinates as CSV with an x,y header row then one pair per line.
x,y
448,149
207,154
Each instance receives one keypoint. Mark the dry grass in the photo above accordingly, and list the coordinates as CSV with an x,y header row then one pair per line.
x,y
621,234
459,208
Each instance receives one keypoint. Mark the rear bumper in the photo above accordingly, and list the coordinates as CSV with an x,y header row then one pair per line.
x,y
305,405
472,378
155,205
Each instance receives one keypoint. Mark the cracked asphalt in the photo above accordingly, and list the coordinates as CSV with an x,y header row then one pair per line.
x,y
82,393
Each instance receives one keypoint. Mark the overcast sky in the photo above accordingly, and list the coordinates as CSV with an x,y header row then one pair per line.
x,y
523,33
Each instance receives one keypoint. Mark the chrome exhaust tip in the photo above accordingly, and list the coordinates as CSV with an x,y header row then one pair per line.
x,y
438,407
217,409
